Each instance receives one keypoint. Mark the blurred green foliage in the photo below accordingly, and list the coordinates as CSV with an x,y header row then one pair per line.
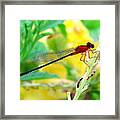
x,y
94,28
30,32
38,76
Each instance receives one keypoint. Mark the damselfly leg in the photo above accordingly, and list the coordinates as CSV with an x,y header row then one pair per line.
x,y
86,57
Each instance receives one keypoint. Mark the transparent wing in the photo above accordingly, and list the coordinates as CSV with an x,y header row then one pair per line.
x,y
43,58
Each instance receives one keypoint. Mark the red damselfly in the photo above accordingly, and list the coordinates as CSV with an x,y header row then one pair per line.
x,y
50,58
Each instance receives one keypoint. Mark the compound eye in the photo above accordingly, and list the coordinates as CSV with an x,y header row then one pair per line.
x,y
92,45
88,44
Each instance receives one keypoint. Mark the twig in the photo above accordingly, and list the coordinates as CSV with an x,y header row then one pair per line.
x,y
83,84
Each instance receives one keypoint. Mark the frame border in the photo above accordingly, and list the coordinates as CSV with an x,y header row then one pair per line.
x,y
52,2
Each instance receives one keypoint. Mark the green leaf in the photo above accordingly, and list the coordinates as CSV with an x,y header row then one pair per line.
x,y
57,43
91,24
46,24
26,38
29,36
28,62
39,48
38,76
95,95
94,28
63,29
29,23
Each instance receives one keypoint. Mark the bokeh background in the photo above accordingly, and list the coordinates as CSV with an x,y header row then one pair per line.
x,y
54,81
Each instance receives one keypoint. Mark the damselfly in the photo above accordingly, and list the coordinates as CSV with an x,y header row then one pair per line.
x,y
50,58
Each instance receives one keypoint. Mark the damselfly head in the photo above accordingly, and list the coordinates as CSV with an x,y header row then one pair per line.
x,y
90,45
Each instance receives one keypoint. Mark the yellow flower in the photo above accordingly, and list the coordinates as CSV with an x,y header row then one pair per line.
x,y
77,33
